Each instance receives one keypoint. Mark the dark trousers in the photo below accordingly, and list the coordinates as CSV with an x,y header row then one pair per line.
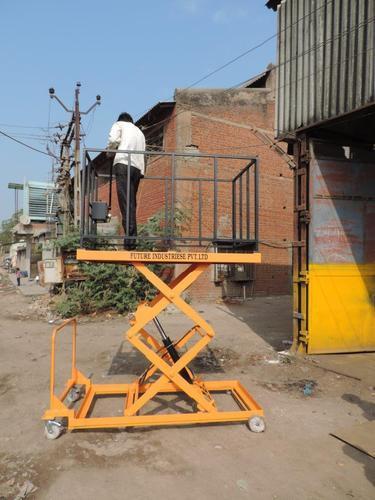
x,y
121,172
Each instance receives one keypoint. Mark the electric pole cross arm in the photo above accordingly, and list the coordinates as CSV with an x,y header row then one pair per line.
x,y
54,96
76,133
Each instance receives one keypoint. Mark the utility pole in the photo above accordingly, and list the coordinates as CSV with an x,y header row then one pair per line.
x,y
74,131
77,152
64,179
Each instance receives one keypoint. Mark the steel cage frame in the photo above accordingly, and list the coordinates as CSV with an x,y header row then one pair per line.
x,y
244,210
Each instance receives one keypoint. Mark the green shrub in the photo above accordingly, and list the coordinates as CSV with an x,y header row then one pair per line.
x,y
110,286
107,286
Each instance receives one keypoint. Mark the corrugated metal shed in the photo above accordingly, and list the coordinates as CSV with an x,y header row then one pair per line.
x,y
325,61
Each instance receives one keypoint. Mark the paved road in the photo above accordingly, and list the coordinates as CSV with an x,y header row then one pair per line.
x,y
28,287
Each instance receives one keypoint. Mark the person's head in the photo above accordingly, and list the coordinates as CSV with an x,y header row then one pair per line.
x,y
125,117
17,268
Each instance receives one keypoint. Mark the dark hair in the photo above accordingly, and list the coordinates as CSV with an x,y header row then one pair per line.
x,y
125,117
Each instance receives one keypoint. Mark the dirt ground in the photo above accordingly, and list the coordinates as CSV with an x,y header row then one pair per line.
x,y
296,458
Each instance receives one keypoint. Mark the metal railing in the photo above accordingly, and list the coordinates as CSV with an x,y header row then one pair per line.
x,y
222,197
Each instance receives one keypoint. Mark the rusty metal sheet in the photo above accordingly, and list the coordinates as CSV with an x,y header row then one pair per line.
x,y
337,232
342,204
369,232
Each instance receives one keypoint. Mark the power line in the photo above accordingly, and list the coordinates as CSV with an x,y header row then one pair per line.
x,y
24,144
314,48
31,137
255,47
311,49
191,108
27,126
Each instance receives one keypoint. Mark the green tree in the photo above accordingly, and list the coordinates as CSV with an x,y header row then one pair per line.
x,y
6,235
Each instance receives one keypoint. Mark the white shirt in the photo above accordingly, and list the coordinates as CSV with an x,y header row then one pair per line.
x,y
126,136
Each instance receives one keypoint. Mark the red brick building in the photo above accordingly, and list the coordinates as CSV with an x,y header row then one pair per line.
x,y
236,121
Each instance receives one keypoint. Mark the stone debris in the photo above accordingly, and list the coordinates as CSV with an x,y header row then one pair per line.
x,y
243,484
26,489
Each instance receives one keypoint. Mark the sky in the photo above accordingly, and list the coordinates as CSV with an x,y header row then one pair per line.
x,y
133,53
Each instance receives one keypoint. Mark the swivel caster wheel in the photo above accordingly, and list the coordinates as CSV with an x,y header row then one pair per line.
x,y
53,429
256,424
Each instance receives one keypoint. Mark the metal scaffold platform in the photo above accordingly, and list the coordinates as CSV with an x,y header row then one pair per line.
x,y
217,195
168,371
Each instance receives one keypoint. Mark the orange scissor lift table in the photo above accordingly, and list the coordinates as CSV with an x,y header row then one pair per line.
x,y
168,371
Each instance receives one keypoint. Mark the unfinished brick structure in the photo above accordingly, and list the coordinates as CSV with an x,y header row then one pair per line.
x,y
220,121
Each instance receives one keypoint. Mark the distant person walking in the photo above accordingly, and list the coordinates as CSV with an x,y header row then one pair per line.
x,y
18,276
124,135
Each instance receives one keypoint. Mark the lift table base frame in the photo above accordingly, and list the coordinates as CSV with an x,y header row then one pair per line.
x,y
168,374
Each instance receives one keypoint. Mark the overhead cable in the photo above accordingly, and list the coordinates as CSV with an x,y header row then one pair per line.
x,y
24,144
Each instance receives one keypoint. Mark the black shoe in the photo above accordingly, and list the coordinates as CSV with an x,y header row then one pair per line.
x,y
129,245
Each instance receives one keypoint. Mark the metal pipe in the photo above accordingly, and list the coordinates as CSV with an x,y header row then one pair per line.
x,y
89,200
127,222
256,203
160,178
241,172
199,210
92,190
173,194
83,199
176,154
177,238
96,188
234,201
110,186
166,209
240,203
215,197
247,204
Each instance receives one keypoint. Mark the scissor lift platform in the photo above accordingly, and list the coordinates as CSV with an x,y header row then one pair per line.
x,y
168,372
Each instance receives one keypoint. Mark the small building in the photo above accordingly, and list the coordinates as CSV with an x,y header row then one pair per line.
x,y
35,226
27,252
223,121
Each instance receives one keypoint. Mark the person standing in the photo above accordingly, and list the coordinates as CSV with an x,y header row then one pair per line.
x,y
18,276
124,135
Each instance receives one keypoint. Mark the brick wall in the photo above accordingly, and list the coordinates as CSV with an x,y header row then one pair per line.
x,y
223,122
152,192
